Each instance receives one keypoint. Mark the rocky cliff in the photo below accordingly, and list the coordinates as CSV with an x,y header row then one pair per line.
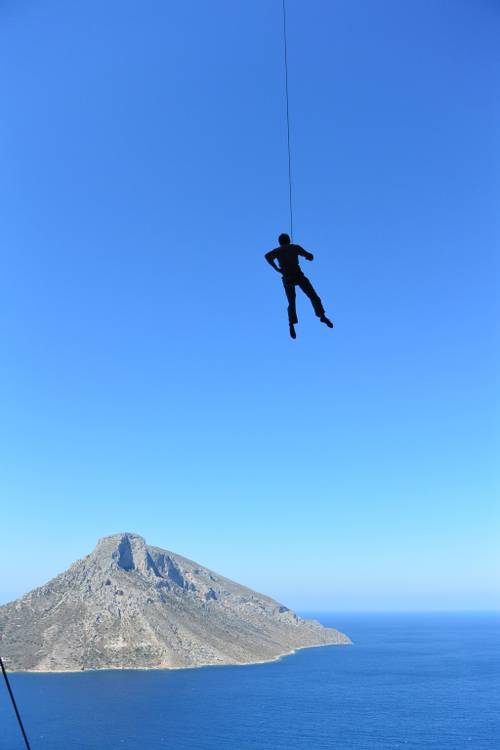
x,y
130,605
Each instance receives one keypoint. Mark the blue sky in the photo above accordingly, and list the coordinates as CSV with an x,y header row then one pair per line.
x,y
147,379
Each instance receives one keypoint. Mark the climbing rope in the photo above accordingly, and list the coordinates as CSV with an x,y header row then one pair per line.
x,y
288,122
13,701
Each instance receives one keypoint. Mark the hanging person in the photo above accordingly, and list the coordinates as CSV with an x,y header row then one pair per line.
x,y
287,257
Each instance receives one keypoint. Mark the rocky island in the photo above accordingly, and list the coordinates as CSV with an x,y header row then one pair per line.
x,y
129,605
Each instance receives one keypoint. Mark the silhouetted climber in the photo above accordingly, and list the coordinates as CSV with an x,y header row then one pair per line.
x,y
287,256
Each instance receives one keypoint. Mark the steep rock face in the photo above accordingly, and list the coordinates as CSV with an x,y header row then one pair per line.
x,y
130,605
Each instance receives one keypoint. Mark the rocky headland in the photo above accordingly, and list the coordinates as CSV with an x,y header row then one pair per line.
x,y
129,605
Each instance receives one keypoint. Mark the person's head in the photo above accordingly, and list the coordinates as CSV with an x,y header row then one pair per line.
x,y
284,239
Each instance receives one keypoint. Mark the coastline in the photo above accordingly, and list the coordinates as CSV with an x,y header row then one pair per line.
x,y
205,665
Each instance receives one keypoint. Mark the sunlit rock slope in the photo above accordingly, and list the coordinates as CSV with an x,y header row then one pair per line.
x,y
130,605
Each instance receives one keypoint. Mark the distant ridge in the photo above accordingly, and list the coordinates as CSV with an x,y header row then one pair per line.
x,y
130,605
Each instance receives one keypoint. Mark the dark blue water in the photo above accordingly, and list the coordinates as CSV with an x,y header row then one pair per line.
x,y
410,681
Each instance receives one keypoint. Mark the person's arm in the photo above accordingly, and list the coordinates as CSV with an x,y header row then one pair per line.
x,y
271,259
304,253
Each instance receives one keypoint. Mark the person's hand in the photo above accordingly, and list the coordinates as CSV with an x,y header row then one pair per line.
x,y
311,257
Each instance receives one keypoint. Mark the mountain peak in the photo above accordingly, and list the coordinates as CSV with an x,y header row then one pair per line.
x,y
125,549
107,544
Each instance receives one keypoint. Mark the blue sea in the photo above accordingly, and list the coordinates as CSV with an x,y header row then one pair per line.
x,y
417,682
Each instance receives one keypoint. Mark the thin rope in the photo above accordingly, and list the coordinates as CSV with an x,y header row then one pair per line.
x,y
13,700
288,122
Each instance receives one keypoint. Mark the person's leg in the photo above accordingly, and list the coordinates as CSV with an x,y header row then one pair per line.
x,y
291,297
310,292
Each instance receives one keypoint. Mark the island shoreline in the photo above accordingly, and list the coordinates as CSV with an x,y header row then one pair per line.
x,y
206,665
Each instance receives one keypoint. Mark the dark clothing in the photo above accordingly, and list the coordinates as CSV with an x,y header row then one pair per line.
x,y
288,259
303,282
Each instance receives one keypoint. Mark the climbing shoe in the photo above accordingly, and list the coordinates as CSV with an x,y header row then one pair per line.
x,y
328,322
292,331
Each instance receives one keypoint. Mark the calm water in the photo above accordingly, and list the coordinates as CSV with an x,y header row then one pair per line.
x,y
412,682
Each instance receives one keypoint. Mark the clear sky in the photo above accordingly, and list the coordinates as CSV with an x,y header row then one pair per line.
x,y
147,380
